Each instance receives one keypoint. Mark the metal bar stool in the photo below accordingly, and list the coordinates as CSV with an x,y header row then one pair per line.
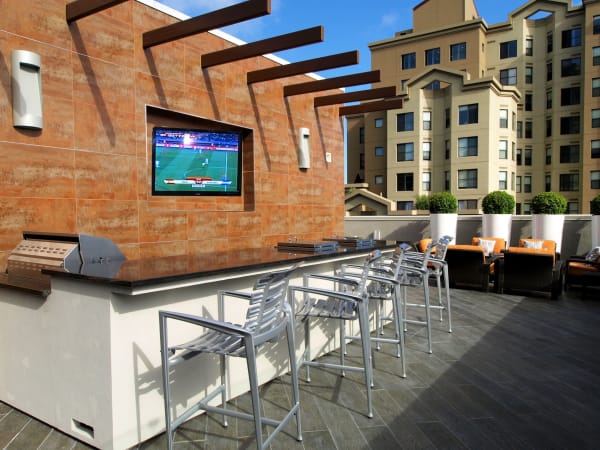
x,y
268,315
346,300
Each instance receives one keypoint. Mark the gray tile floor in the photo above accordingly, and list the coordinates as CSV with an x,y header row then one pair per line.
x,y
517,373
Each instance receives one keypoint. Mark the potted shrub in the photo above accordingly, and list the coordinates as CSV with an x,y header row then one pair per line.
x,y
548,209
595,210
422,204
443,215
496,221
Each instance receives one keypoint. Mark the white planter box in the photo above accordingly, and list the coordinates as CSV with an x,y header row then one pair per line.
x,y
496,225
548,226
443,225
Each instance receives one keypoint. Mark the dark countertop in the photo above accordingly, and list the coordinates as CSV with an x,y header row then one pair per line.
x,y
145,272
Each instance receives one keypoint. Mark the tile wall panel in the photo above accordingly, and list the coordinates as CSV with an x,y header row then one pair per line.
x,y
93,154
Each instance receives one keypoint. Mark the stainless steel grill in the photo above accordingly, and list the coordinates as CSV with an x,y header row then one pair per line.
x,y
38,251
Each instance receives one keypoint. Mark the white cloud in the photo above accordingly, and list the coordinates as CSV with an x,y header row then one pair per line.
x,y
389,19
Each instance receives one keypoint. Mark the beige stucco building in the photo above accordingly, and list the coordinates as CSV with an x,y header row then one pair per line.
x,y
512,106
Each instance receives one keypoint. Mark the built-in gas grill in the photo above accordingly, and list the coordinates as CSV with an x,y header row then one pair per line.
x,y
38,251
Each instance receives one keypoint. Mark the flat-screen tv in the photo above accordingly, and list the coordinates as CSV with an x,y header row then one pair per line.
x,y
196,162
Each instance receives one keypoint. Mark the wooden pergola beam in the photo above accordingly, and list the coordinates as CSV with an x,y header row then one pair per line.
x,y
381,105
367,94
270,45
356,79
206,22
82,8
307,66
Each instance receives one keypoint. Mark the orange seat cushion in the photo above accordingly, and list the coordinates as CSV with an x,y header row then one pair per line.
x,y
576,268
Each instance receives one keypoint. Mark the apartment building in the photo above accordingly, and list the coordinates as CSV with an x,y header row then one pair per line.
x,y
513,106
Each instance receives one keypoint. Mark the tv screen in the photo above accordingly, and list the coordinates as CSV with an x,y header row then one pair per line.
x,y
196,162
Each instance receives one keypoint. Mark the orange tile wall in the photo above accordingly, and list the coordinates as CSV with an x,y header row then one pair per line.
x,y
88,170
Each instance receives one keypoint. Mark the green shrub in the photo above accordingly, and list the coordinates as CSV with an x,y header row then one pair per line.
x,y
422,202
548,203
443,203
498,202
595,205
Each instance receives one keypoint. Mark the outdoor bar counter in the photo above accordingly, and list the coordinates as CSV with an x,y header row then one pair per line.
x,y
85,358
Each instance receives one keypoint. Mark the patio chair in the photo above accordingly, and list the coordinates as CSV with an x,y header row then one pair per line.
x,y
583,271
268,316
469,266
345,300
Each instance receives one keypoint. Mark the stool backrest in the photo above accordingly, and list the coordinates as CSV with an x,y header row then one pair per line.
x,y
268,306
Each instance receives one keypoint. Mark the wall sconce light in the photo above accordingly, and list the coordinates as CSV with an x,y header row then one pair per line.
x,y
304,148
26,89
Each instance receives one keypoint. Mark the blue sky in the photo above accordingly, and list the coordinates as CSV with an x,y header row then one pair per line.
x,y
349,24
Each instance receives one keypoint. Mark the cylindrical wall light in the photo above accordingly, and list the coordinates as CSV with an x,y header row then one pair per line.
x,y
26,89
304,148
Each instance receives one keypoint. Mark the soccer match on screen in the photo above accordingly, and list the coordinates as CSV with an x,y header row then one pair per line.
x,y
192,162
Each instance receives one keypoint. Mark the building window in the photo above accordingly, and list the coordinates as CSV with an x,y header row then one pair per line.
x,y
570,67
361,135
427,120
514,146
549,127
528,129
432,56
503,150
528,74
378,179
379,152
378,123
527,159
549,99
569,125
529,47
595,118
549,71
405,122
519,156
502,180
405,206
596,26
405,152
569,153
572,208
595,179
547,182
447,117
504,118
518,186
468,114
447,149
426,151
458,51
548,154
570,96
514,121
549,43
596,56
409,61
571,38
526,208
426,181
595,148
404,182
569,182
519,129
403,85
528,102
508,76
467,146
467,179
447,180
508,49
433,86
595,87
527,183
467,204
361,163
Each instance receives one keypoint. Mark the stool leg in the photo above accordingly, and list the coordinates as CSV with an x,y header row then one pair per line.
x,y
253,376
306,356
294,372
366,349
223,368
164,354
447,289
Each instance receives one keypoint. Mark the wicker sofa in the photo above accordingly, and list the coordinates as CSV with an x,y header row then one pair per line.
x,y
531,270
